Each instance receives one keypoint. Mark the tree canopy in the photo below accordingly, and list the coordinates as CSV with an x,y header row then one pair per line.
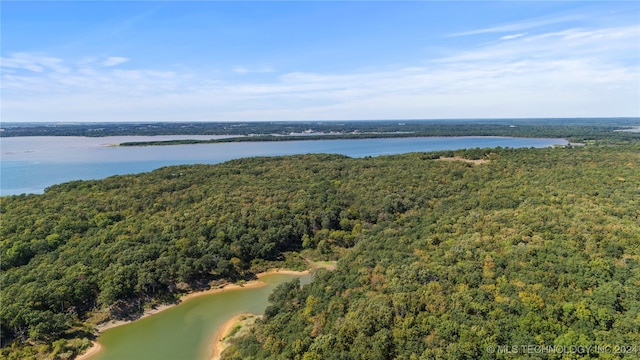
x,y
437,259
537,247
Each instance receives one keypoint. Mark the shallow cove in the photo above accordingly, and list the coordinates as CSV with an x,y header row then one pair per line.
x,y
186,331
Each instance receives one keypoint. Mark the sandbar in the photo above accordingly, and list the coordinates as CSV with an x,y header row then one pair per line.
x,y
92,350
219,345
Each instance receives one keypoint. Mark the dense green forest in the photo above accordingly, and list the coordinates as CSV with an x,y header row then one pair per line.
x,y
437,259
538,247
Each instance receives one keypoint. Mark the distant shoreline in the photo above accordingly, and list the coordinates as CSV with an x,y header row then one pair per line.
x,y
460,126
96,347
52,161
284,138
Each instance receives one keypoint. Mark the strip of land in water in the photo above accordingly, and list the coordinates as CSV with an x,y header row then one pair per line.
x,y
256,138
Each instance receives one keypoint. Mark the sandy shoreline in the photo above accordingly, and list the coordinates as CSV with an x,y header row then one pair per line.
x,y
96,347
218,340
115,323
93,350
219,344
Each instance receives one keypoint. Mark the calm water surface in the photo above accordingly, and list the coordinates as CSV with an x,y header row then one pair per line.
x,y
186,331
31,164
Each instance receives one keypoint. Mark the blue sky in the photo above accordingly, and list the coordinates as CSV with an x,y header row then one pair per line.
x,y
316,60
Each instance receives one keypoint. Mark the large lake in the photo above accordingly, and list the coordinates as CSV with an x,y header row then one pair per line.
x,y
31,164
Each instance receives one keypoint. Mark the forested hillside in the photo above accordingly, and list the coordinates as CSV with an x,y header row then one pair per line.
x,y
438,259
538,247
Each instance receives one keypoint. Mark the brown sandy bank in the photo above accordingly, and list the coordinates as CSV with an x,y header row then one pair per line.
x,y
220,342
93,350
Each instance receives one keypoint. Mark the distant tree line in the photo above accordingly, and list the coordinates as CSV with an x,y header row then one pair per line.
x,y
573,129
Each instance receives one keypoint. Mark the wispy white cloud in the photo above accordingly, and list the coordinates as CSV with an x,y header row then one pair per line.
x,y
607,44
511,37
573,72
114,60
55,77
522,25
33,62
247,70
240,70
